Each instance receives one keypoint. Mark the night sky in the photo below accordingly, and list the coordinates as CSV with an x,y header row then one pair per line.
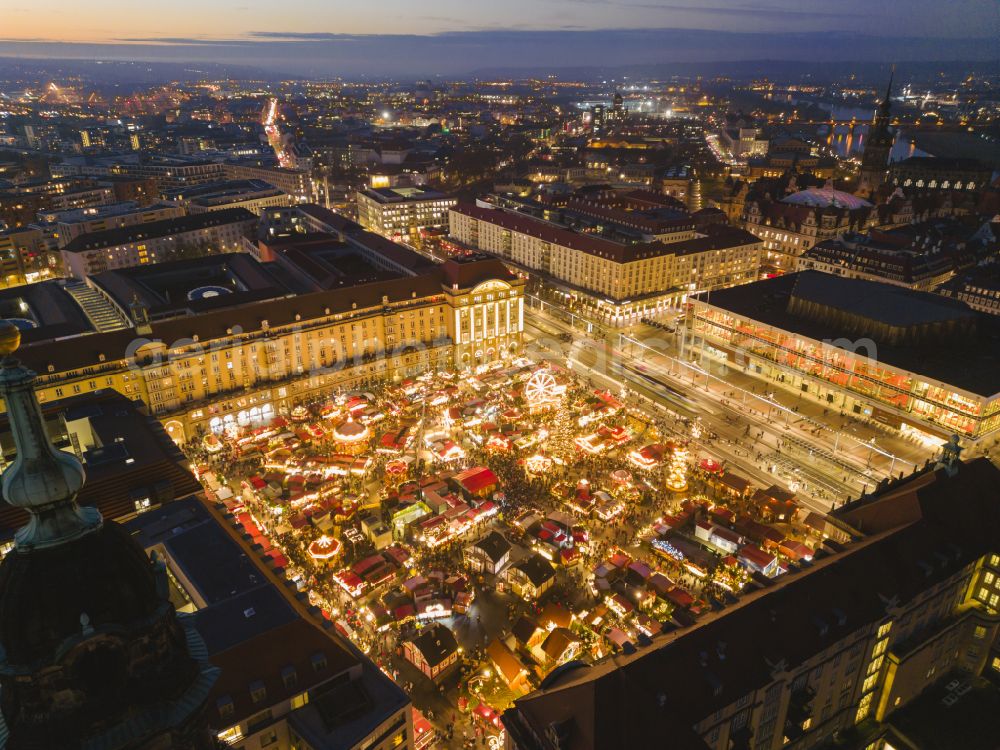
x,y
454,36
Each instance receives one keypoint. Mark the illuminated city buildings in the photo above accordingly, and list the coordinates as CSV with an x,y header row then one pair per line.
x,y
216,231
918,256
913,361
220,340
875,158
620,282
933,173
795,223
65,226
403,213
253,195
979,287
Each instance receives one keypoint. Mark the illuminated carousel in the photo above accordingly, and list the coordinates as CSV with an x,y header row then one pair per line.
x,y
351,437
324,549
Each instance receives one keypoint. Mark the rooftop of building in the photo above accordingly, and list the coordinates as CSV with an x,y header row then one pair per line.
x,y
222,321
436,643
91,213
685,675
604,248
405,194
190,286
942,163
344,716
43,311
157,229
250,629
826,197
127,455
468,271
330,220
946,718
323,262
225,191
494,545
914,250
398,255
982,279
972,364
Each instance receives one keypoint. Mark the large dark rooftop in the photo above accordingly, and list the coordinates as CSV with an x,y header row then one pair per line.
x,y
154,229
45,311
194,285
971,363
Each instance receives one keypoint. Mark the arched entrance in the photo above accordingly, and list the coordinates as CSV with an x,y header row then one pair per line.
x,y
176,431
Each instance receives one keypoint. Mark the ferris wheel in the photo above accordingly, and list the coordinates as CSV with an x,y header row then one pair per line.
x,y
542,388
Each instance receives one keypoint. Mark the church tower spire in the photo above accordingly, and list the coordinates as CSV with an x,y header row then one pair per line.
x,y
878,145
92,651
42,479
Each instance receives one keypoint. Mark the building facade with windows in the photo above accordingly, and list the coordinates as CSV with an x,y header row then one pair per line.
x,y
238,346
619,282
791,226
911,361
905,258
401,213
214,232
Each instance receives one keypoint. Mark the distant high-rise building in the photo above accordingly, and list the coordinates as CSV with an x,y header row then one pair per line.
x,y
617,113
875,159
597,118
92,651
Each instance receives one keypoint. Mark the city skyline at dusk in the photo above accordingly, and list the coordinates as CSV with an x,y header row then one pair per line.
x,y
448,37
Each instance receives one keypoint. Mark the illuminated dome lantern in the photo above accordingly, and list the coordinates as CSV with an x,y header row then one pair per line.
x,y
351,437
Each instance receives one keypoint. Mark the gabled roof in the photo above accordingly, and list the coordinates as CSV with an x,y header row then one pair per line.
x,y
435,644
537,569
494,545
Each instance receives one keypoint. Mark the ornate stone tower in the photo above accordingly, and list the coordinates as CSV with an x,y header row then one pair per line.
x,y
875,159
92,652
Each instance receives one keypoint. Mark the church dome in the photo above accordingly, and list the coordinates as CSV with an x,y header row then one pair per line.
x,y
826,198
104,576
